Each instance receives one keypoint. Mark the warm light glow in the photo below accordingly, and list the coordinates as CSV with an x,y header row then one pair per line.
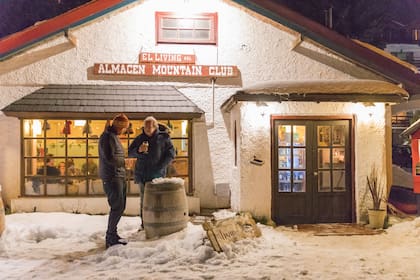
x,y
26,127
79,122
36,128
369,112
184,125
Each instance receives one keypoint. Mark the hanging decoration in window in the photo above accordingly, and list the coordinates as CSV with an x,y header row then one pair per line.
x,y
67,127
87,129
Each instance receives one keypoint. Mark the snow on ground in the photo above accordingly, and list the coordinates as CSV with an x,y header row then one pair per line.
x,y
71,246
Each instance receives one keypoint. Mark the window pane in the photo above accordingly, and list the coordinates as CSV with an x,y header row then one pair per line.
x,y
284,158
93,147
186,34
299,158
202,34
33,147
185,23
299,132
33,128
97,128
179,128
324,158
338,135
169,34
169,22
56,147
202,24
90,167
76,148
324,181
34,186
181,146
76,128
339,180
179,167
31,166
284,135
299,181
56,128
284,181
338,158
324,135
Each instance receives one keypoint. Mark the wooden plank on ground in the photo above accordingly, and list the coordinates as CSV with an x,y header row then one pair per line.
x,y
226,231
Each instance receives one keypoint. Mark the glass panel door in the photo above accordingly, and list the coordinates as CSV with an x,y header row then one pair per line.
x,y
331,158
312,179
291,158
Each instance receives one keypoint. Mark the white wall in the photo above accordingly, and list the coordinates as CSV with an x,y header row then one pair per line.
x,y
253,187
262,50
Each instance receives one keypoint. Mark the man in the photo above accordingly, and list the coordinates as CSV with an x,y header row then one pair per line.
x,y
154,150
112,173
51,171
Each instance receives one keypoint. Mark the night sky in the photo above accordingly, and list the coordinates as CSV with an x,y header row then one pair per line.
x,y
16,15
354,18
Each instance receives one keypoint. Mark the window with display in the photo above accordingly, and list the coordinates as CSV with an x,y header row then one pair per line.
x,y
60,156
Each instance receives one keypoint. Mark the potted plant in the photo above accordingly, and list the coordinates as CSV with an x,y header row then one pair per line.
x,y
376,213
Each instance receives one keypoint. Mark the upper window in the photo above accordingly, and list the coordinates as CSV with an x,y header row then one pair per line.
x,y
191,29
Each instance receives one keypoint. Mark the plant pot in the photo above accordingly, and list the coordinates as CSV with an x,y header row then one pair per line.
x,y
376,218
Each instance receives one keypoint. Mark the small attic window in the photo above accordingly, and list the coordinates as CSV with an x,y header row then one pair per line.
x,y
172,28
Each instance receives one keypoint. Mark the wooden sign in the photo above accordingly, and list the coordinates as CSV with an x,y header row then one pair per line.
x,y
169,70
223,232
172,58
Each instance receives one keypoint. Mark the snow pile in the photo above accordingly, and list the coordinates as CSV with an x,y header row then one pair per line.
x,y
71,246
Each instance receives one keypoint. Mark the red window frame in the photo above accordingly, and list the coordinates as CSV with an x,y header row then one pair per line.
x,y
212,40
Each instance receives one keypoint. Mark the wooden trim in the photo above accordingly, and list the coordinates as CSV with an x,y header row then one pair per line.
x,y
300,117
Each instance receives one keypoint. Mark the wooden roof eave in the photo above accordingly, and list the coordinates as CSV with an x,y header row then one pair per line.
x,y
310,97
100,116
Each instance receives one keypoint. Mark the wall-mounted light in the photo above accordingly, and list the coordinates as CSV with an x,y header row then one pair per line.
x,y
261,105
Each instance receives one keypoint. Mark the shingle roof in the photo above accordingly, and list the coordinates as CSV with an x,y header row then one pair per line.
x,y
103,101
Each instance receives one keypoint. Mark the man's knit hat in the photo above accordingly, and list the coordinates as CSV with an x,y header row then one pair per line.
x,y
120,121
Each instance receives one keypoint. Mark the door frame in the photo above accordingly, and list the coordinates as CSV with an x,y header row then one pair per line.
x,y
347,117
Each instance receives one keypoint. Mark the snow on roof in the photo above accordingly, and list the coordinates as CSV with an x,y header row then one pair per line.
x,y
327,87
320,91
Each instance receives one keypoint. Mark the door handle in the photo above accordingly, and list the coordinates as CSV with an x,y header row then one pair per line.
x,y
315,173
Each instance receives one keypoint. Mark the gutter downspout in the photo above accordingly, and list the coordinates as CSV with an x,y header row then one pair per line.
x,y
211,124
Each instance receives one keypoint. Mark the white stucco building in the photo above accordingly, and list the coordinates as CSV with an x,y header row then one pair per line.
x,y
287,122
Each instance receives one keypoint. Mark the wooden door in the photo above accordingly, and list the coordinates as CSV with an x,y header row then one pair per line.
x,y
312,178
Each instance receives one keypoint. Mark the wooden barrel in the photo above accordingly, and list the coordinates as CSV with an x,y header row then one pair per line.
x,y
165,208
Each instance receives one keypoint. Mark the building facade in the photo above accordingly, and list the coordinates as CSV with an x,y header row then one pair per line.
x,y
263,119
